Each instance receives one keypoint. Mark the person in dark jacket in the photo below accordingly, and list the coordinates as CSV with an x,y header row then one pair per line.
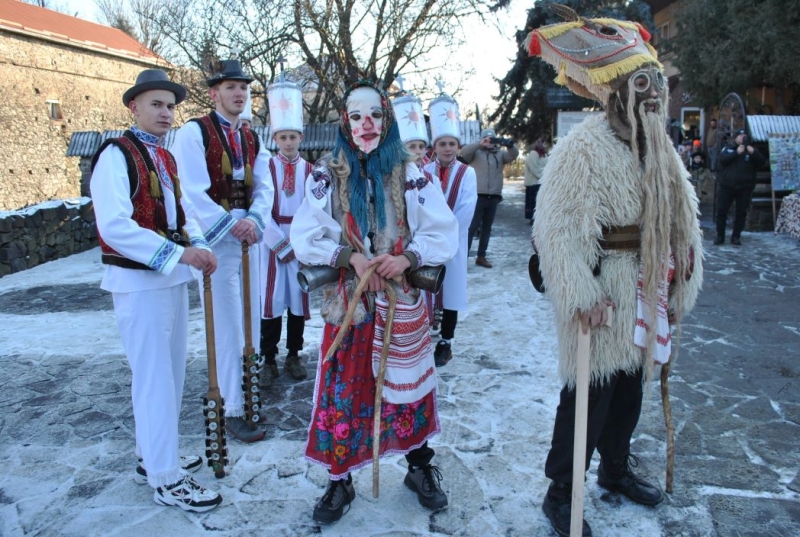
x,y
736,180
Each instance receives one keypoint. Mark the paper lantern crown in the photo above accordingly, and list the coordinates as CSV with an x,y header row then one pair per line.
x,y
410,118
285,107
444,117
592,56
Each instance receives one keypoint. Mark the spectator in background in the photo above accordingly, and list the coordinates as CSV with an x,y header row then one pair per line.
x,y
534,166
711,145
738,164
488,160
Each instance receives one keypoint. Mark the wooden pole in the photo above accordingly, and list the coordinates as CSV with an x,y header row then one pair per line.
x,y
376,417
581,422
670,426
216,448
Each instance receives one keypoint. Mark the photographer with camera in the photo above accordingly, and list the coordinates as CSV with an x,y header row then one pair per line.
x,y
736,179
488,160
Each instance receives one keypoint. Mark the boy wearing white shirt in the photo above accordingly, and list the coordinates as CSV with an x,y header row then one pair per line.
x,y
288,172
459,187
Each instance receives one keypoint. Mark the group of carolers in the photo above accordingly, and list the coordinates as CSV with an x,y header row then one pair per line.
x,y
370,203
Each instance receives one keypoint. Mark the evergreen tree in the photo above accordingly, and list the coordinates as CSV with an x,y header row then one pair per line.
x,y
735,45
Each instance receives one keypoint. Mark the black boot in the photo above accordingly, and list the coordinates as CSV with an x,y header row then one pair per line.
x,y
269,371
425,482
339,494
557,506
618,476
442,353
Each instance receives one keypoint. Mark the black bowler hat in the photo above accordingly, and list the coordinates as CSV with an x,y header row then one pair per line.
x,y
226,70
153,79
740,131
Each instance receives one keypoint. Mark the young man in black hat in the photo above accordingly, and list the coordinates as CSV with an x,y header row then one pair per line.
x,y
147,245
225,168
736,179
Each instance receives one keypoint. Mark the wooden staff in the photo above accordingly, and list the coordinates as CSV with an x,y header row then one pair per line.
x,y
249,356
581,424
670,426
351,310
376,417
214,411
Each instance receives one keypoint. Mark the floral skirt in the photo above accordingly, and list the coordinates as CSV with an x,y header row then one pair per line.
x,y
340,435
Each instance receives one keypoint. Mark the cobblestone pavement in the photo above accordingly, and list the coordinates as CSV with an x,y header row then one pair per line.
x,y
66,425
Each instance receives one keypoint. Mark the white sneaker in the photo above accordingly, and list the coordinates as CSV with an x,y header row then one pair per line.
x,y
188,495
189,463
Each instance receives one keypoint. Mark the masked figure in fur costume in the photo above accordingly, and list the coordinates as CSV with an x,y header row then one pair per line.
x,y
368,205
616,224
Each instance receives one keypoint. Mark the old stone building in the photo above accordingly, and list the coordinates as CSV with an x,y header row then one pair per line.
x,y
58,74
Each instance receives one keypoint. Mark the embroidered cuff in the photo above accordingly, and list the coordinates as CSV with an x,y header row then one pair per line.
x,y
341,257
414,257
220,229
282,248
199,242
164,260
256,218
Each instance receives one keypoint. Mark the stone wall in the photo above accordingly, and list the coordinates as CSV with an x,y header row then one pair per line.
x,y
45,232
88,86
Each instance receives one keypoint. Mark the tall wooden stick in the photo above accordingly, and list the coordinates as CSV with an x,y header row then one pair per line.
x,y
249,356
581,424
668,422
581,421
376,417
216,449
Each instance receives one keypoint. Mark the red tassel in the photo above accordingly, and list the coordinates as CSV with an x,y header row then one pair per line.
x,y
644,33
534,47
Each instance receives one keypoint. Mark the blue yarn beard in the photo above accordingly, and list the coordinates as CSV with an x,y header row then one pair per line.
x,y
376,166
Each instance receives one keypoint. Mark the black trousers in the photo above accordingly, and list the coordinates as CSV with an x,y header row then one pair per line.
x,y
449,321
530,200
726,196
482,219
421,456
614,409
271,334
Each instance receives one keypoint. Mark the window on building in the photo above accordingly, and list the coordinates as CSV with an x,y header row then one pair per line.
x,y
662,34
54,109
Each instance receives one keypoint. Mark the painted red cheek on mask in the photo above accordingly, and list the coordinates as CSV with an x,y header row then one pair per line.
x,y
356,132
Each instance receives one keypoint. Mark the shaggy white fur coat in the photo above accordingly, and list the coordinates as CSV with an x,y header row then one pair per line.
x,y
588,184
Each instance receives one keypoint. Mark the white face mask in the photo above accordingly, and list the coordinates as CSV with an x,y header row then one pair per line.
x,y
365,117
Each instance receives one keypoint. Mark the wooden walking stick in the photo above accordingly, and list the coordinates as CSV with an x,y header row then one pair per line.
x,y
581,424
376,417
214,405
668,422
250,367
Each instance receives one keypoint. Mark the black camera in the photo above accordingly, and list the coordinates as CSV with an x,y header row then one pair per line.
x,y
505,142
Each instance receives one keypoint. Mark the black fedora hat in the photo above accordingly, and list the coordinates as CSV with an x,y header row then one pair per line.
x,y
226,70
152,79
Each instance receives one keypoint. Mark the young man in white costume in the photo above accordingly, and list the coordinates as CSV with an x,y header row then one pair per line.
x,y
368,206
148,244
459,186
288,172
228,191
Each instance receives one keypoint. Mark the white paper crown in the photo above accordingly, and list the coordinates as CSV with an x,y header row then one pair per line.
x,y
410,119
285,107
247,113
444,117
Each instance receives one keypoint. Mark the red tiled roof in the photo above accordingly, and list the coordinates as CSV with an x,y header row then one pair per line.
x,y
18,16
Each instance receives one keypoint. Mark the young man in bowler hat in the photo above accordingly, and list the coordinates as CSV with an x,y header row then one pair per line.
x,y
225,170
148,244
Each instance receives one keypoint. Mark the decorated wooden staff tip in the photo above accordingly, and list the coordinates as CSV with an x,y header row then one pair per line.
x,y
250,362
213,404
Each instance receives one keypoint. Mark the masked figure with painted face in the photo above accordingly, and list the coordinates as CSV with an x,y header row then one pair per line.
x,y
368,205
616,224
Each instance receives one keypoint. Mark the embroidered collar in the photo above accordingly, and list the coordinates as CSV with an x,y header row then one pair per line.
x,y
147,138
227,124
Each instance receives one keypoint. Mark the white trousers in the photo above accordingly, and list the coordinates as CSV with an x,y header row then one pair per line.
x,y
153,326
226,295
